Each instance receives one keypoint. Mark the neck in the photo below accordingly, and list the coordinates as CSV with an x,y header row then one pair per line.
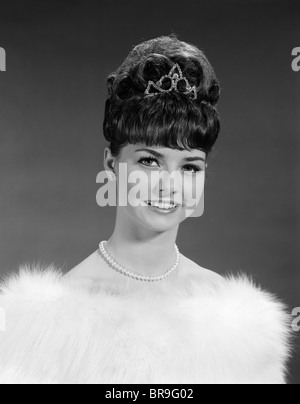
x,y
141,250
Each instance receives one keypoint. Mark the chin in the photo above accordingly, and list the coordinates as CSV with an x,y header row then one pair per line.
x,y
160,222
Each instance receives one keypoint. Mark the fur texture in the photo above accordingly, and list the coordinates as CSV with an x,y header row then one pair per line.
x,y
223,332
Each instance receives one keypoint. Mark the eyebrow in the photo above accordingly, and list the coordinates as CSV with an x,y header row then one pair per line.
x,y
161,156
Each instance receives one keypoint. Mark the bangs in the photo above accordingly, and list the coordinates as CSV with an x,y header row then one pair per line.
x,y
169,120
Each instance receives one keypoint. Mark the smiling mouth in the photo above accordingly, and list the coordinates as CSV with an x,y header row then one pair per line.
x,y
164,207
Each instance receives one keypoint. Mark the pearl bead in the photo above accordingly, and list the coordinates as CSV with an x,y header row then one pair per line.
x,y
119,268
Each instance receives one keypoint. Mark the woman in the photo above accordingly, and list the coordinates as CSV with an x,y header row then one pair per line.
x,y
136,310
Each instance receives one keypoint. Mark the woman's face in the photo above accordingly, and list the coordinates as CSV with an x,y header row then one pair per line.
x,y
164,186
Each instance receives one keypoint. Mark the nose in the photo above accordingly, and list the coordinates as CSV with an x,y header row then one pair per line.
x,y
168,184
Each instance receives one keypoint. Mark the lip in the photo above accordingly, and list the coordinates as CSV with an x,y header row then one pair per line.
x,y
161,210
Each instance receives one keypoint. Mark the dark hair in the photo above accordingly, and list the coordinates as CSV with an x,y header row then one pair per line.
x,y
170,119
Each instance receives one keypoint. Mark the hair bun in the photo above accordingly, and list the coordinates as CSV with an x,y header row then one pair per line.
x,y
154,67
171,118
214,93
133,82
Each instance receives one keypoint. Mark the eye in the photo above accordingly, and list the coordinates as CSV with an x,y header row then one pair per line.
x,y
148,161
193,169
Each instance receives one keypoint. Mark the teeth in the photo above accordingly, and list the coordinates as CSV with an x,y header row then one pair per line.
x,y
164,206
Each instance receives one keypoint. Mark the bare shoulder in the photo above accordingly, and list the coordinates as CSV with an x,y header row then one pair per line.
x,y
201,274
90,268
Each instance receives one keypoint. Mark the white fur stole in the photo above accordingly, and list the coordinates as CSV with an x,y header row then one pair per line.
x,y
227,332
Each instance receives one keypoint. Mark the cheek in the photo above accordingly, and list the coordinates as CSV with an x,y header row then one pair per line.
x,y
138,187
194,196
193,188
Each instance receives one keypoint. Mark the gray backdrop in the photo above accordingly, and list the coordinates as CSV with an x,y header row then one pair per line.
x,y
51,110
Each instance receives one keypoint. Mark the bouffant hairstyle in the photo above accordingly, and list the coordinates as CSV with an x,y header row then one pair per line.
x,y
169,119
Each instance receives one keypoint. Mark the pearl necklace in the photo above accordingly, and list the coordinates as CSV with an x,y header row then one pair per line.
x,y
119,268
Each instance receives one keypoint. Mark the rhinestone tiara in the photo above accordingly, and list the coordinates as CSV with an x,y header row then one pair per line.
x,y
175,80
